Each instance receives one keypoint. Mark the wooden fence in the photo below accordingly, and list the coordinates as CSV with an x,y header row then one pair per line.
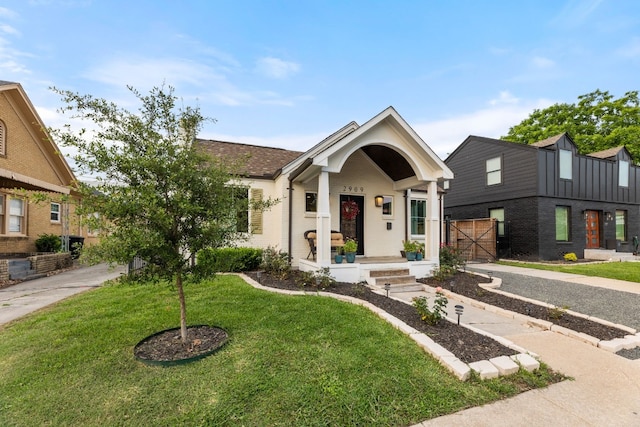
x,y
476,238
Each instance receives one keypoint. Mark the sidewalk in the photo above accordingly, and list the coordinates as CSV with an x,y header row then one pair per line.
x,y
605,389
25,297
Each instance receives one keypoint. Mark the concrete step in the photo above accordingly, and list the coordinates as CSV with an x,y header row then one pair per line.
x,y
394,280
407,287
387,273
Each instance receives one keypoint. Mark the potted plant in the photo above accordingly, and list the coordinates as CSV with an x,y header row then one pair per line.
x,y
350,248
409,250
338,256
419,250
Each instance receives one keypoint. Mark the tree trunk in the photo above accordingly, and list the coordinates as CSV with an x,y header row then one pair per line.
x,y
183,309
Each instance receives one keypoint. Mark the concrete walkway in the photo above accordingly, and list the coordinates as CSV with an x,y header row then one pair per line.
x,y
605,389
26,297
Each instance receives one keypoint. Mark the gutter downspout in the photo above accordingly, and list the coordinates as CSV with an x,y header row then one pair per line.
x,y
296,173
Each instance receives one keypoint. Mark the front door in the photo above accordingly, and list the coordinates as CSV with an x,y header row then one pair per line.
x,y
352,219
593,229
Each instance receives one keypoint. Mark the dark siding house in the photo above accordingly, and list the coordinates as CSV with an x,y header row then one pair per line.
x,y
549,199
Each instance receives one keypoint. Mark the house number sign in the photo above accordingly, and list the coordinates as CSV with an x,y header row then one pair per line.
x,y
353,188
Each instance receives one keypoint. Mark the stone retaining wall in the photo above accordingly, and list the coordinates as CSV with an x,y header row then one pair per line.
x,y
4,269
50,262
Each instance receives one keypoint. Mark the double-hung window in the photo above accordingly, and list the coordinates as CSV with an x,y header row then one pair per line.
x,y
55,212
494,171
16,216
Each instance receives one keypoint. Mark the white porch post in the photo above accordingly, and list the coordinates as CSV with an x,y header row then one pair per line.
x,y
323,222
432,244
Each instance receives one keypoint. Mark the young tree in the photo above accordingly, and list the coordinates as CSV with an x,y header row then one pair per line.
x,y
157,196
596,122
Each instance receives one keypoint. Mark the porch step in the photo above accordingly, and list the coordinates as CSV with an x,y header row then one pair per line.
x,y
399,279
394,280
387,273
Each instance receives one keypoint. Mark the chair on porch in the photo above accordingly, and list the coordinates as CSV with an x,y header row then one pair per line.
x,y
337,240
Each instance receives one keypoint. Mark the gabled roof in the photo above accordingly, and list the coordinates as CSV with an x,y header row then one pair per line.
x,y
609,153
549,141
261,162
16,94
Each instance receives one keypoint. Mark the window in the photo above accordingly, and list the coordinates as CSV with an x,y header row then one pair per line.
x,y
310,202
566,164
621,226
242,210
418,211
2,214
3,138
562,223
623,173
498,214
494,171
55,212
387,206
16,216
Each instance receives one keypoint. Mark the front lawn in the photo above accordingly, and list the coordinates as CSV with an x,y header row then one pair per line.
x,y
629,271
291,360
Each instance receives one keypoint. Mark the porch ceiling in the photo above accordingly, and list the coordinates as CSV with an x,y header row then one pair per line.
x,y
389,161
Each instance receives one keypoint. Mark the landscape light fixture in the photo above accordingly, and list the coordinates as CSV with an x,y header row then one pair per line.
x,y
259,276
387,286
490,273
459,310
379,200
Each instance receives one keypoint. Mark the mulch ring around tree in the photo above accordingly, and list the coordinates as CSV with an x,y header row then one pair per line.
x,y
467,284
166,348
468,346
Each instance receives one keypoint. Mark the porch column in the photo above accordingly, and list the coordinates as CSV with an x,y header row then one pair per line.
x,y
432,244
323,222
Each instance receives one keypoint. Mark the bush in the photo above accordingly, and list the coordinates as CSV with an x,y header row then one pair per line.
x,y
431,315
214,260
275,262
570,257
320,279
48,243
451,260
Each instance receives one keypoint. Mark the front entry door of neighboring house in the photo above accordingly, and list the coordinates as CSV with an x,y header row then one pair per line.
x,y
592,219
352,221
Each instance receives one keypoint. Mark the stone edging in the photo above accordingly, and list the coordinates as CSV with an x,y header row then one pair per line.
x,y
629,341
498,366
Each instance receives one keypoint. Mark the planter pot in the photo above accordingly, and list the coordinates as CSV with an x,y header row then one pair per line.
x,y
351,257
338,259
419,256
411,256
222,338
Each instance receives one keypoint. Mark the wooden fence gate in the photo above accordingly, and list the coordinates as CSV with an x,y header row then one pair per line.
x,y
475,238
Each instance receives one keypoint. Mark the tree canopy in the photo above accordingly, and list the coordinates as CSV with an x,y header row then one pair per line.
x,y
157,195
597,122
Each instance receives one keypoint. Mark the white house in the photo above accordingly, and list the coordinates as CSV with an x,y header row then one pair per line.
x,y
382,159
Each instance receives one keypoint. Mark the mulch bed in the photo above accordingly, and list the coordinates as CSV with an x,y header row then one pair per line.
x,y
467,284
167,346
466,345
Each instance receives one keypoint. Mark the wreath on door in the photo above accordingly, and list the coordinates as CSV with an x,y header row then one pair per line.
x,y
350,210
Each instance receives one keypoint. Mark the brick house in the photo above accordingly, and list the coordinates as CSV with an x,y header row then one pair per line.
x,y
549,199
30,162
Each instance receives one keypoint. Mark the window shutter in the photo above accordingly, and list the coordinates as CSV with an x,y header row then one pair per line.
x,y
256,214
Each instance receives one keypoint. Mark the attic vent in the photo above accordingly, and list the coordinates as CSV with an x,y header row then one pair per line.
x,y
3,134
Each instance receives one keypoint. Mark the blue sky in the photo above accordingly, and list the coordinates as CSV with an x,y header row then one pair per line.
x,y
289,73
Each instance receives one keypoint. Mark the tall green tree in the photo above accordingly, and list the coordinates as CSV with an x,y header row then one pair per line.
x,y
596,122
157,196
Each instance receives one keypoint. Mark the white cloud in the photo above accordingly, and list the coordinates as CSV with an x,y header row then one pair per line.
x,y
277,68
8,29
7,13
541,62
445,135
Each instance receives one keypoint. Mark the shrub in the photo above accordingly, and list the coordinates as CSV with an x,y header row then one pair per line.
x,y
213,260
570,257
451,260
431,316
319,279
48,243
275,262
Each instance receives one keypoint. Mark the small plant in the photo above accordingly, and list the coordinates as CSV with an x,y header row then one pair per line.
x,y
350,245
409,246
556,312
419,247
48,243
431,316
319,279
451,260
276,262
570,257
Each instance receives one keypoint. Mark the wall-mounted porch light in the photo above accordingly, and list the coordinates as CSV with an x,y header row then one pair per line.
x,y
379,201
608,215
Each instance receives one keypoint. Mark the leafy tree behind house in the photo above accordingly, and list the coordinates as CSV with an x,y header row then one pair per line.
x,y
596,122
157,197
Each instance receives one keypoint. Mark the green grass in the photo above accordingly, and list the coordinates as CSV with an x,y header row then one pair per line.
x,y
629,271
303,361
